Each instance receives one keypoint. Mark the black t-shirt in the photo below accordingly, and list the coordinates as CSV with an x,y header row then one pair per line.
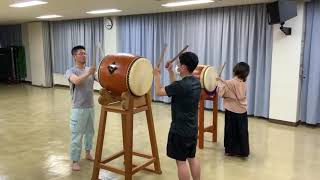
x,y
184,106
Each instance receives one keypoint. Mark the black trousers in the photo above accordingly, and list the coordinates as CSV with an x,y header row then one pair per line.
x,y
236,136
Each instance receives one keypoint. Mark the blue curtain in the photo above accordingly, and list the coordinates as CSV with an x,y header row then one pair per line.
x,y
67,34
47,54
310,91
229,34
10,35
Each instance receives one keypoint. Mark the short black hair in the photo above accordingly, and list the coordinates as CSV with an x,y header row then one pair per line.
x,y
76,48
189,59
241,70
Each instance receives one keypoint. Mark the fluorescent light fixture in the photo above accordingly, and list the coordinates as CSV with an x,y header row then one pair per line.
x,y
49,16
27,4
103,11
186,3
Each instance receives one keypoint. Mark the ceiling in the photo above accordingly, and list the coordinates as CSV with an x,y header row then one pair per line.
x,y
76,9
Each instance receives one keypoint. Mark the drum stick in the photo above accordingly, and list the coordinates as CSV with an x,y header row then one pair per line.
x,y
182,51
160,60
176,57
97,47
224,64
94,57
101,51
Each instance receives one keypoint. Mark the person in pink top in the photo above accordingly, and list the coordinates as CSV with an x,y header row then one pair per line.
x,y
233,92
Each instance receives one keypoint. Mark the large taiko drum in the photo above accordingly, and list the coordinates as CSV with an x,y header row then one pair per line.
x,y
207,76
120,73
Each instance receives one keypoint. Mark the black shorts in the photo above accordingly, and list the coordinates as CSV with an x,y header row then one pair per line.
x,y
180,148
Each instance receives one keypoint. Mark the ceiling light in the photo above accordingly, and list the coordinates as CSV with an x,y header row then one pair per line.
x,y
49,16
27,4
186,3
103,11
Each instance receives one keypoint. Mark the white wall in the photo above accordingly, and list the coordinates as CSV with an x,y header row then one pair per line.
x,y
110,37
36,53
286,59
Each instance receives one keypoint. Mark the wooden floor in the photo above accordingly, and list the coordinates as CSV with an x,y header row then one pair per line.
x,y
35,138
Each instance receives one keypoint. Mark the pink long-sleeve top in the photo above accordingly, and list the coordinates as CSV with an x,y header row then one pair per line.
x,y
234,95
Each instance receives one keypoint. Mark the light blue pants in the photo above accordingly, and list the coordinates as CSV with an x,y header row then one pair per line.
x,y
81,124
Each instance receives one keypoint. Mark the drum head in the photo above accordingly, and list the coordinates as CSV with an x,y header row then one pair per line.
x,y
209,78
140,77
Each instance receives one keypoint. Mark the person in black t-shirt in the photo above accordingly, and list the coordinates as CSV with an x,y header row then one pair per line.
x,y
185,93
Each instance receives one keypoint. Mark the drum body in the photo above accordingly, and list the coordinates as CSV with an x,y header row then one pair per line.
x,y
207,76
120,73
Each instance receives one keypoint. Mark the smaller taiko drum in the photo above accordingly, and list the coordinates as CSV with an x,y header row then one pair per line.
x,y
207,76
120,73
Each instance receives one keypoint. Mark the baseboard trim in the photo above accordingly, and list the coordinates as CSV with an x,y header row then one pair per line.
x,y
26,82
40,86
281,122
60,85
310,125
15,83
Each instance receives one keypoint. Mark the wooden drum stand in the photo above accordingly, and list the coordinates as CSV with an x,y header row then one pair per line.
x,y
127,105
213,128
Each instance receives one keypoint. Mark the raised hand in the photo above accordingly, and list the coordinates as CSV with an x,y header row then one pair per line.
x,y
92,70
169,66
156,71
